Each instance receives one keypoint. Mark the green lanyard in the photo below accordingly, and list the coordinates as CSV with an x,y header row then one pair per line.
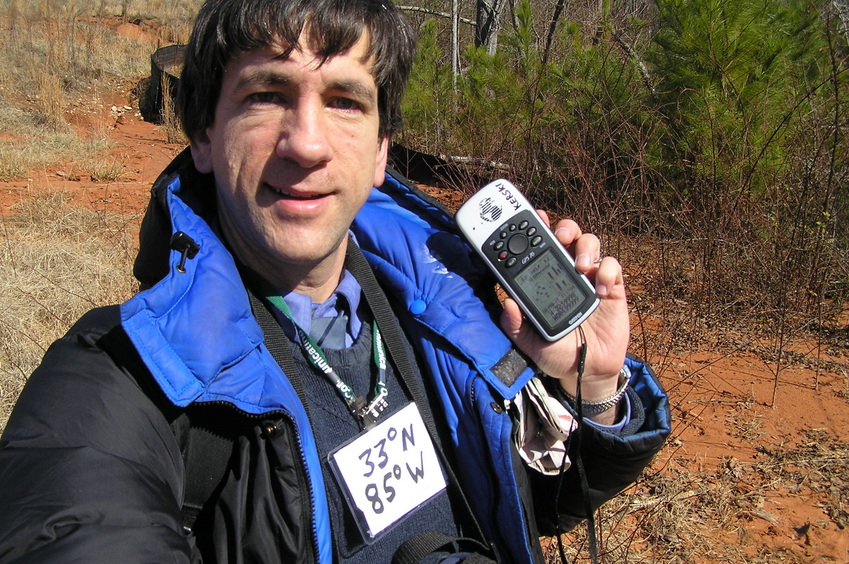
x,y
367,414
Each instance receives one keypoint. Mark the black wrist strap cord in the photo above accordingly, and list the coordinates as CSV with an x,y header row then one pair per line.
x,y
579,465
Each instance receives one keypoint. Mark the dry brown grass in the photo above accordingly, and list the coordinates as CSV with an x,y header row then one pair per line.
x,y
57,261
59,58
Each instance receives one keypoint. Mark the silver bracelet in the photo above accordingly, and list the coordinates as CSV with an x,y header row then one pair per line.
x,y
600,406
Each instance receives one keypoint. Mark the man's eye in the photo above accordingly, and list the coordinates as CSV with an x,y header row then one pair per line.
x,y
345,104
265,98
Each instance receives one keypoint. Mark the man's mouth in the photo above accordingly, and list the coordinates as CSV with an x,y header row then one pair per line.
x,y
291,196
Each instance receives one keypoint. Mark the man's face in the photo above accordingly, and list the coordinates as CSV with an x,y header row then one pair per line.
x,y
295,151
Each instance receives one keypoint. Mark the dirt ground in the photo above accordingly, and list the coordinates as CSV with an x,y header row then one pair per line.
x,y
742,479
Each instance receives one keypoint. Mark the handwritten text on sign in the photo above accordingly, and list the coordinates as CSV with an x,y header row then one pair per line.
x,y
390,470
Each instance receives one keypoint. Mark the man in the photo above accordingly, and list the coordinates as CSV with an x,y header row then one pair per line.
x,y
276,282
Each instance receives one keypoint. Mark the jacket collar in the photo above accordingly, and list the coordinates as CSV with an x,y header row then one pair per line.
x,y
424,265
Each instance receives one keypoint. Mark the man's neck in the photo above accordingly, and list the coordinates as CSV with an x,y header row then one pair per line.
x,y
318,281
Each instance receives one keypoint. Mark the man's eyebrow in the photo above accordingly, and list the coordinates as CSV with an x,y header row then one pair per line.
x,y
261,77
356,88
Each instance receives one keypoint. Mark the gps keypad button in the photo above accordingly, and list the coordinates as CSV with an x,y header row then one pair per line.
x,y
517,244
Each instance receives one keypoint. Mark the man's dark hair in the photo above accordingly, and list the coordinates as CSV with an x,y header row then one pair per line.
x,y
226,28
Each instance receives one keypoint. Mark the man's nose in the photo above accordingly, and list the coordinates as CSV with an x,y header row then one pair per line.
x,y
304,139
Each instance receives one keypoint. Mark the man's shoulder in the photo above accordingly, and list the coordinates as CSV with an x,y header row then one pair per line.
x,y
98,321
89,334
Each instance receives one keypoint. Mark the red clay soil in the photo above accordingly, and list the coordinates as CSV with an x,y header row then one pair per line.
x,y
779,468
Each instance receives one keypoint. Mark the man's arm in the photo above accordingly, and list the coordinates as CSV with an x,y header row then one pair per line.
x,y
90,470
612,460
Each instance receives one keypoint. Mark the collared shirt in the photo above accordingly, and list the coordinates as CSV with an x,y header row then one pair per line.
x,y
344,301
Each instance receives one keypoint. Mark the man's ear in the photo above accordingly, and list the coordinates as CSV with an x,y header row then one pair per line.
x,y
201,147
380,162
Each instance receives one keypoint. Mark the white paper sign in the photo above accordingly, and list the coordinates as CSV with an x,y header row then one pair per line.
x,y
389,471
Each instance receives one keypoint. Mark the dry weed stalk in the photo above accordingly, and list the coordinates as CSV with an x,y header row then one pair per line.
x,y
49,101
170,121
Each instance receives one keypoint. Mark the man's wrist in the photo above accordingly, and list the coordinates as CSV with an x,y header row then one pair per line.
x,y
596,404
